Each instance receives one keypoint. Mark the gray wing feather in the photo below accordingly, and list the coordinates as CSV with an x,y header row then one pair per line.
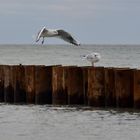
x,y
67,37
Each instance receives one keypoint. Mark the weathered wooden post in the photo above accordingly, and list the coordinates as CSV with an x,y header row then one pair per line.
x,y
85,84
1,83
18,73
30,83
74,83
124,87
110,96
43,84
59,94
8,85
137,89
96,91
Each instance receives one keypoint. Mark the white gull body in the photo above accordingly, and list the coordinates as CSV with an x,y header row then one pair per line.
x,y
92,57
56,33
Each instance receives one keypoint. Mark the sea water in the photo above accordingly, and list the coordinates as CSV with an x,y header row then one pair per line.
x,y
44,122
111,55
34,122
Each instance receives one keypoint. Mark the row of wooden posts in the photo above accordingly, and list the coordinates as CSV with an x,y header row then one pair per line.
x,y
70,85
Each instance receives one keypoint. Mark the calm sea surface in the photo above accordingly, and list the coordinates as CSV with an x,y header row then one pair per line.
x,y
112,55
34,122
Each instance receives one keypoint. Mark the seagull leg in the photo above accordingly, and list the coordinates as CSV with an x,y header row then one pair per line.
x,y
43,40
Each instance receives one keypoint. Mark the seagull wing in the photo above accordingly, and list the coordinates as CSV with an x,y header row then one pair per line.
x,y
39,34
67,37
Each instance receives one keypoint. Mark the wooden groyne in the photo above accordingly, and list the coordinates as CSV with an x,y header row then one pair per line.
x,y
70,85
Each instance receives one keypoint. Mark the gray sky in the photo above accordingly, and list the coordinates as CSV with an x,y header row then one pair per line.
x,y
90,21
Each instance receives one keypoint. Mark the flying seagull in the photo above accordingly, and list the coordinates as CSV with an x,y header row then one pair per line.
x,y
56,33
92,57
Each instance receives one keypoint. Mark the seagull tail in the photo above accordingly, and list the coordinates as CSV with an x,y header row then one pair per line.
x,y
83,57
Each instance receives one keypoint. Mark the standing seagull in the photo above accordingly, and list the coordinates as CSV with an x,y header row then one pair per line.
x,y
56,33
92,57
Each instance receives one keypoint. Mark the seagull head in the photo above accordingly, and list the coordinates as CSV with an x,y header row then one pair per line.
x,y
95,57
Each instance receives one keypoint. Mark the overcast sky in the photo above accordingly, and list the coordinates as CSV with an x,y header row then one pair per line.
x,y
90,21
